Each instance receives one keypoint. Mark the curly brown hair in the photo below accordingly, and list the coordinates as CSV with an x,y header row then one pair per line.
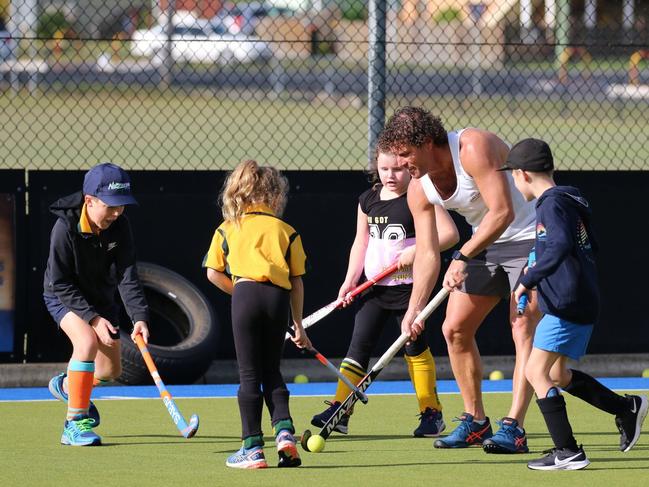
x,y
411,126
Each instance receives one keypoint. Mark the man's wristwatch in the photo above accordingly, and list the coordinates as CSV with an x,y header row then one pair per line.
x,y
457,255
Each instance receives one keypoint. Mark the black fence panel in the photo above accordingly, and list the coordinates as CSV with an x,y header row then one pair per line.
x,y
178,214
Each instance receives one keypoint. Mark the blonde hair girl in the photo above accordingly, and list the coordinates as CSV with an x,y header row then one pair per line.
x,y
250,184
258,259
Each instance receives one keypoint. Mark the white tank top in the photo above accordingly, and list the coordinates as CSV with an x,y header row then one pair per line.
x,y
468,202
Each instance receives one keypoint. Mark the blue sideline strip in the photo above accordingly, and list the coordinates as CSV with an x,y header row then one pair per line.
x,y
311,389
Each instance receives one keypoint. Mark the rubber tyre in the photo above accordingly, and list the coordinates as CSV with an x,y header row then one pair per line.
x,y
183,330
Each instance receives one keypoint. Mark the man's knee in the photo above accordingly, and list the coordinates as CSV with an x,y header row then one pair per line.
x,y
522,329
457,337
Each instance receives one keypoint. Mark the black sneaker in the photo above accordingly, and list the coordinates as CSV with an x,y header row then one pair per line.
x,y
561,459
431,424
321,419
630,423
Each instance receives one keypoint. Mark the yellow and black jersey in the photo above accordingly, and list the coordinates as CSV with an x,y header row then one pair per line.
x,y
262,248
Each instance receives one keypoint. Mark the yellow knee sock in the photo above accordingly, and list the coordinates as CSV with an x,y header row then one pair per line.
x,y
354,372
424,379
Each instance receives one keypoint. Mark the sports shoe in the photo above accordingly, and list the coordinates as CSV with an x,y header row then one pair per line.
x,y
431,424
561,459
78,432
468,433
321,419
247,458
508,439
630,424
287,450
56,388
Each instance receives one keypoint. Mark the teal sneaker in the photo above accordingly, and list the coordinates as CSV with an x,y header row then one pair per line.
x,y
247,458
56,389
78,432
319,420
287,450
510,438
431,424
467,433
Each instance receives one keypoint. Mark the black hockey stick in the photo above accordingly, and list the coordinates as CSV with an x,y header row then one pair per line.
x,y
351,399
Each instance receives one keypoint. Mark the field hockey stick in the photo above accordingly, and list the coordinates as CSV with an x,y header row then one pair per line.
x,y
324,361
187,430
522,302
316,316
349,402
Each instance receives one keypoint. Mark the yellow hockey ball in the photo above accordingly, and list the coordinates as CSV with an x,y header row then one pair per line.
x,y
496,375
316,443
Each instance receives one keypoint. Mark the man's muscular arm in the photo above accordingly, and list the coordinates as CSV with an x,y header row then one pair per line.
x,y
426,265
482,153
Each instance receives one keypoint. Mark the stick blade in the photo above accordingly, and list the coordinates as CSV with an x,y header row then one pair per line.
x,y
304,440
192,427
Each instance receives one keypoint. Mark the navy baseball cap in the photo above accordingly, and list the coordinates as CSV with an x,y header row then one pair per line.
x,y
110,183
533,155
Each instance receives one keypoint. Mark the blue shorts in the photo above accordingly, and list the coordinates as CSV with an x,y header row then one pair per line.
x,y
58,310
556,335
55,307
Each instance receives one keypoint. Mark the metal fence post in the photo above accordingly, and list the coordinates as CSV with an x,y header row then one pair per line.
x,y
376,73
166,73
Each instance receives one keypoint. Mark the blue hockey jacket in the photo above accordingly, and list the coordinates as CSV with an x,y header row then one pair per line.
x,y
565,273
85,271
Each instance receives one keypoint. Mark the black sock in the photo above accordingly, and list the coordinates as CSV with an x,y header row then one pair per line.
x,y
556,418
595,393
250,407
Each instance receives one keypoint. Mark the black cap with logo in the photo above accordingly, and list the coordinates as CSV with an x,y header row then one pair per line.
x,y
531,155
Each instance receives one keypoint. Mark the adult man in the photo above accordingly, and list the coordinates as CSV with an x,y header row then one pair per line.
x,y
458,170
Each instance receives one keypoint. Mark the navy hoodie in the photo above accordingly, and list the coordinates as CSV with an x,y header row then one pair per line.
x,y
565,274
84,271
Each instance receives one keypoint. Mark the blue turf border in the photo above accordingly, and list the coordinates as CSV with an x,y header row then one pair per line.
x,y
311,389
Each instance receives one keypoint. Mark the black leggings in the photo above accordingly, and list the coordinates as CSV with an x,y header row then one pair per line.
x,y
368,325
260,313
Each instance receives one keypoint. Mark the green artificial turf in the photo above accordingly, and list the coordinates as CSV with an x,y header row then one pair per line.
x,y
142,448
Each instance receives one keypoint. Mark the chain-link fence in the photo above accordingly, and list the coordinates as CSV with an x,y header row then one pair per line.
x,y
188,84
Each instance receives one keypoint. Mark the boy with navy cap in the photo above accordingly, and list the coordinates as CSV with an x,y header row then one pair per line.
x,y
565,277
92,255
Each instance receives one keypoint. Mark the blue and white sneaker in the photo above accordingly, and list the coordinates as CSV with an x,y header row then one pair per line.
x,y
510,438
321,419
431,424
247,458
78,432
56,389
468,433
287,450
